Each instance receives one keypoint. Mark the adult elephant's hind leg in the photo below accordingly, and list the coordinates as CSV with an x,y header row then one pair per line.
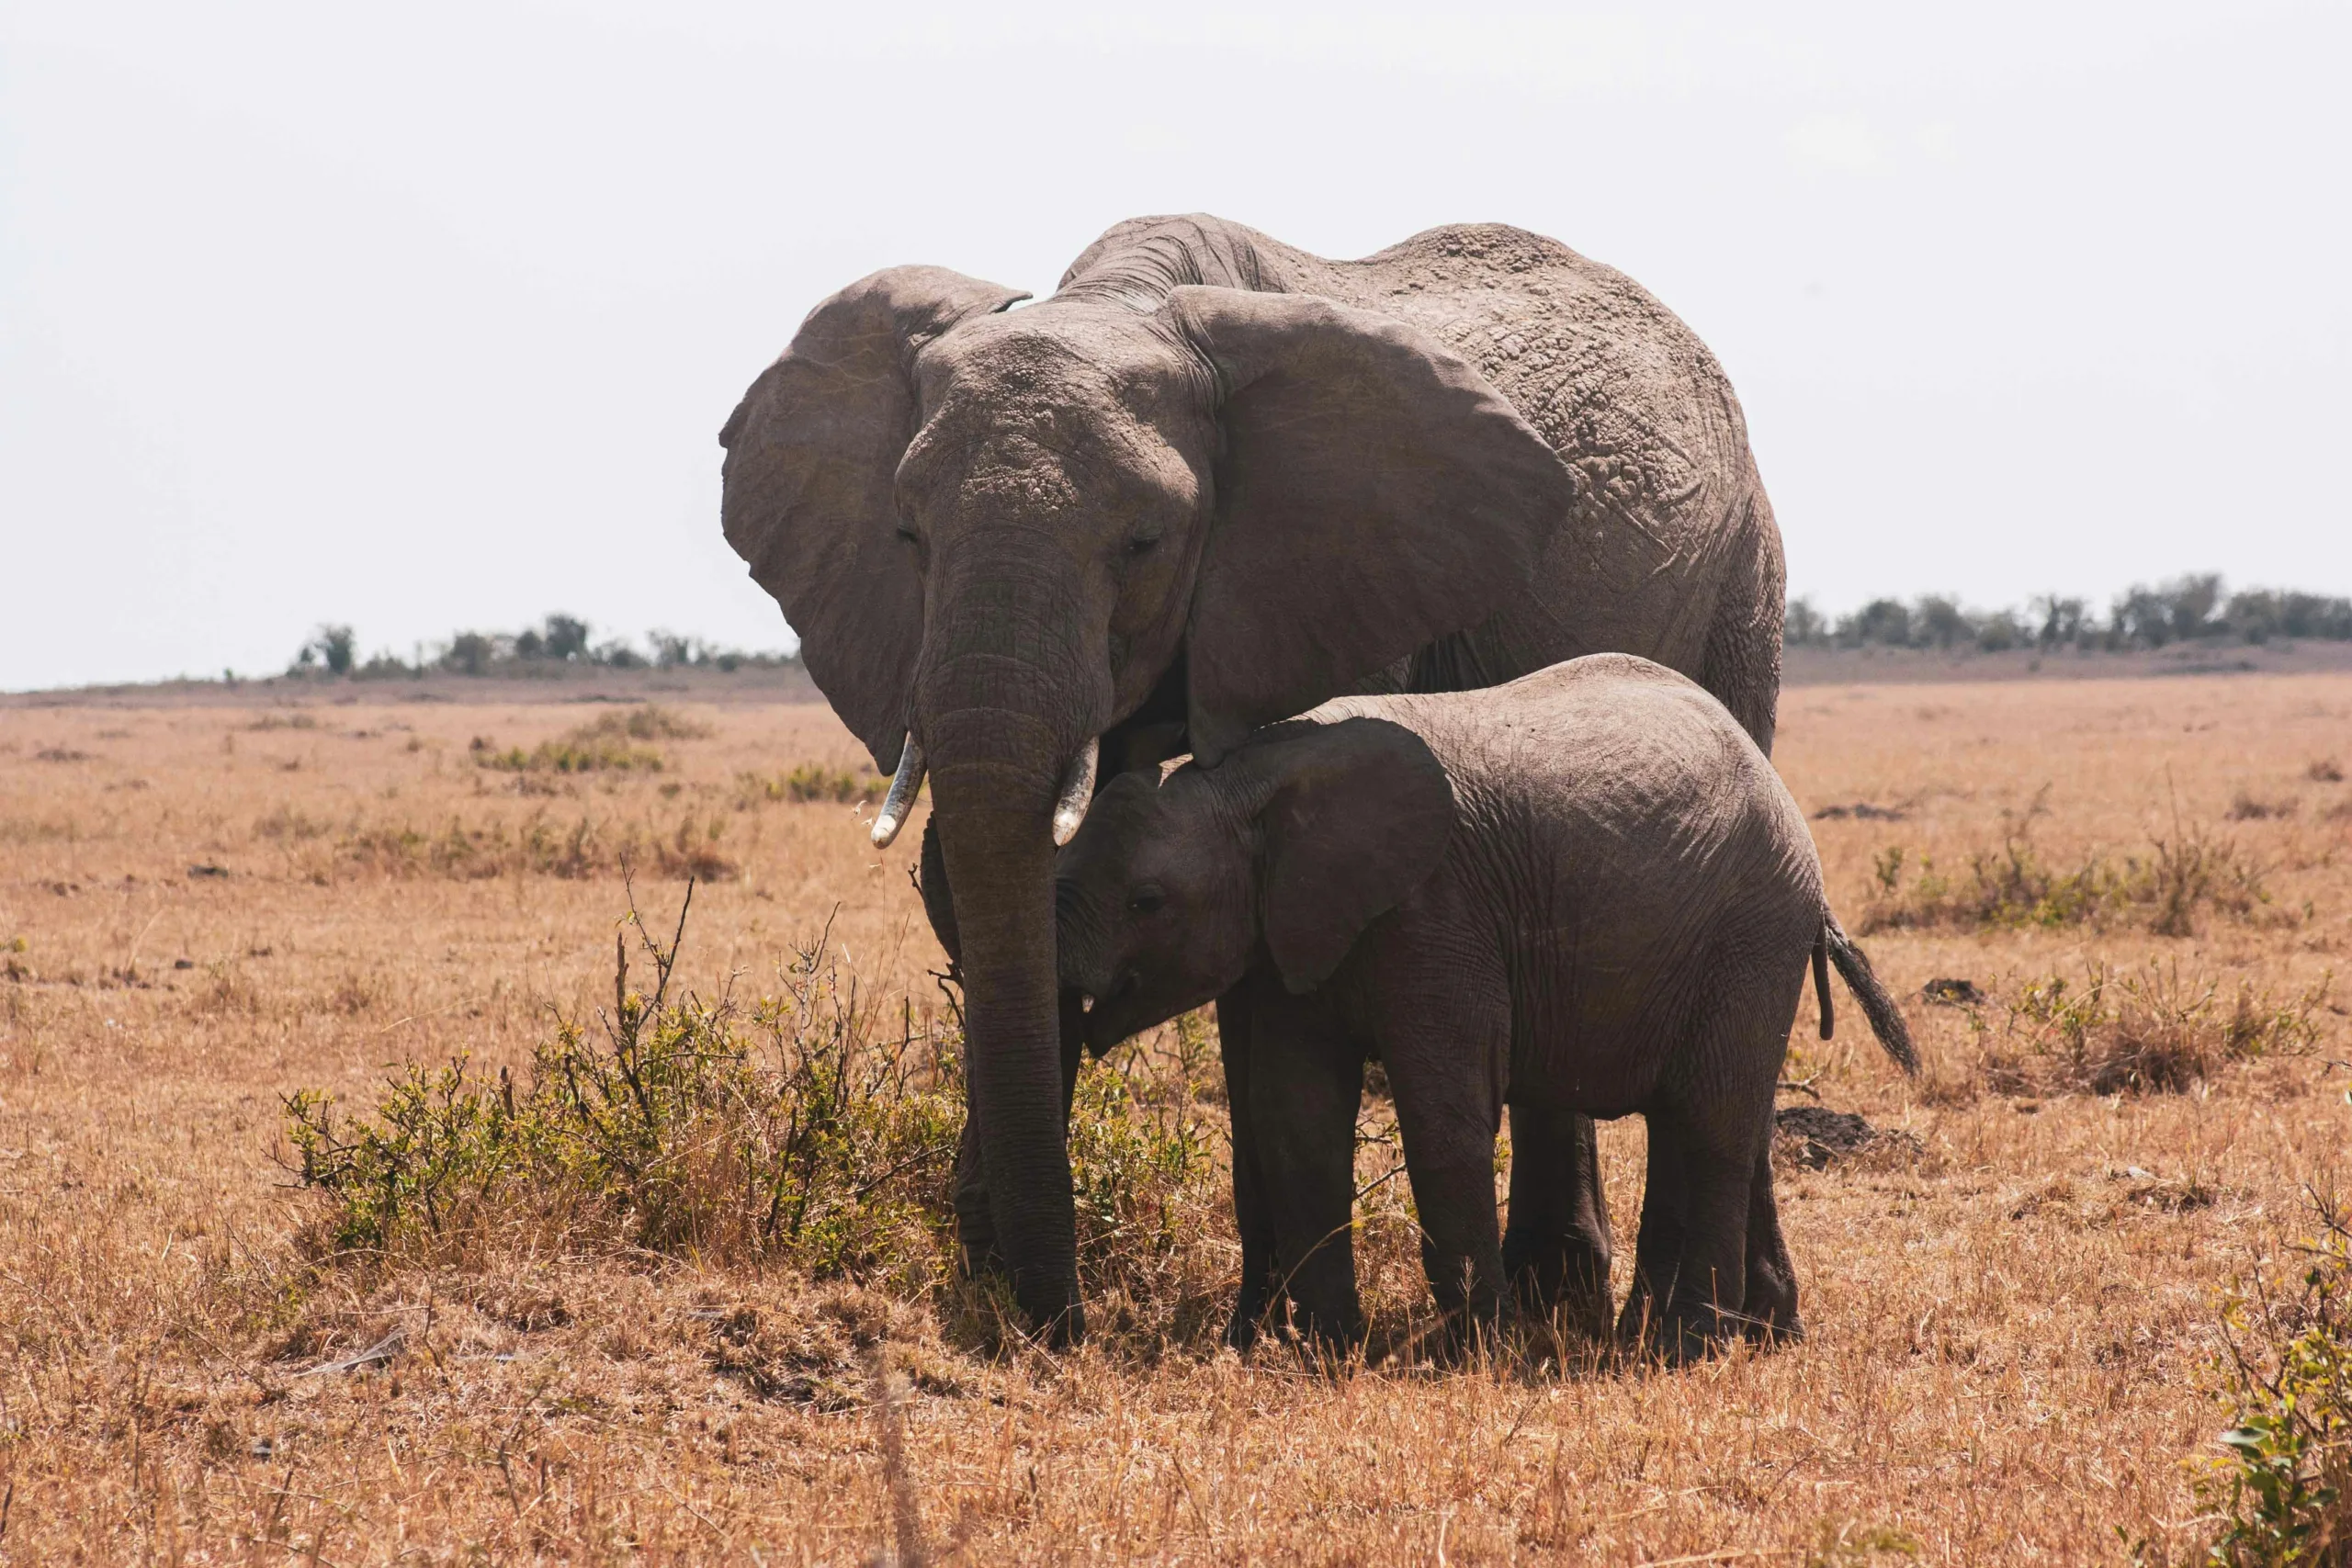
x,y
1556,1244
1741,662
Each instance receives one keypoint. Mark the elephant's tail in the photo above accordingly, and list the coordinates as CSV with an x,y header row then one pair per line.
x,y
1833,945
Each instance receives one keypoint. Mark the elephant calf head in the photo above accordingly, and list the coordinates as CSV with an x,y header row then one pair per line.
x,y
1309,832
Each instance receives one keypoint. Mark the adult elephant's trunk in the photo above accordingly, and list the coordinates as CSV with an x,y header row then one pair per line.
x,y
1009,695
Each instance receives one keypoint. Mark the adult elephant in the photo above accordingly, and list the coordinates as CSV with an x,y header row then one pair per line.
x,y
1209,483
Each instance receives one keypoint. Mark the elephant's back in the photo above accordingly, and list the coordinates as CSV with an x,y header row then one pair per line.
x,y
1612,757
1611,378
1609,755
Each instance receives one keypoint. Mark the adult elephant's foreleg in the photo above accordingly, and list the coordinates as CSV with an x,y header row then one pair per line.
x,y
975,1228
1253,1216
1555,1245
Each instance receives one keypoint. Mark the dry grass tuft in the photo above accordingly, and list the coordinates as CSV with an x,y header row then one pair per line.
x,y
2245,807
588,847
611,741
810,783
2183,875
2151,1030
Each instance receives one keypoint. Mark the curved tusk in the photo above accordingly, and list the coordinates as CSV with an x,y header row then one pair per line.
x,y
901,798
1077,793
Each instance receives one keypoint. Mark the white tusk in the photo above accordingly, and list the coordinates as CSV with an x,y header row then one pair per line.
x,y
901,798
1085,1002
1077,790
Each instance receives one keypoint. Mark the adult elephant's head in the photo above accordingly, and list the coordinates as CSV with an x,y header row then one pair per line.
x,y
997,532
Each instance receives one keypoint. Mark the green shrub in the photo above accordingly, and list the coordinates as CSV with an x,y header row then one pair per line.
x,y
811,1130
2180,876
784,1130
2283,1488
1148,1193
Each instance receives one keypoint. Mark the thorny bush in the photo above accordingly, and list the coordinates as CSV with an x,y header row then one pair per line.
x,y
2283,1489
815,1129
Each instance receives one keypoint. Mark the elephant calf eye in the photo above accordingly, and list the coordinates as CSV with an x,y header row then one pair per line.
x,y
1143,546
1147,900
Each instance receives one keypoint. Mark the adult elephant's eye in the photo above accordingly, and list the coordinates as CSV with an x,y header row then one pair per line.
x,y
1143,543
1147,900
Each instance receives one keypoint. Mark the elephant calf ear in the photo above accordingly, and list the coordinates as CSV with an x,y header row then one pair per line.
x,y
1374,492
1360,816
812,452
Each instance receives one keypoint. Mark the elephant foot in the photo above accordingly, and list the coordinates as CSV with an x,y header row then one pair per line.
x,y
1768,1315
1562,1281
1241,1329
1684,1333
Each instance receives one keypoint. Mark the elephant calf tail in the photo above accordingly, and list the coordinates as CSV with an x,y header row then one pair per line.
x,y
1833,945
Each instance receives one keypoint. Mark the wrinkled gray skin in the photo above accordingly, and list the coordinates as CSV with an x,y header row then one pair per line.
x,y
1586,891
1210,482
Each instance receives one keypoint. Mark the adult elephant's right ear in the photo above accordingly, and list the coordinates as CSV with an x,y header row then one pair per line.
x,y
812,453
1374,492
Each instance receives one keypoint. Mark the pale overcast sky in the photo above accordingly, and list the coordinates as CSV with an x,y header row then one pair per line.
x,y
426,316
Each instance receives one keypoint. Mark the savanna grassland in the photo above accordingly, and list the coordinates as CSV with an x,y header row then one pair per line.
x,y
675,1288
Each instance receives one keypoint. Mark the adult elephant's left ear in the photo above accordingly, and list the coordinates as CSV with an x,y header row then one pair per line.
x,y
812,452
1374,492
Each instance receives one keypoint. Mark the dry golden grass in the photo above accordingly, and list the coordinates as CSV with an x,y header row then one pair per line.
x,y
2010,1325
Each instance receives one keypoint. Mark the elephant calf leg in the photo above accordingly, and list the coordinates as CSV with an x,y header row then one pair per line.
x,y
1303,1083
1658,1247
1556,1246
1461,1251
1448,1119
1770,1307
1710,1276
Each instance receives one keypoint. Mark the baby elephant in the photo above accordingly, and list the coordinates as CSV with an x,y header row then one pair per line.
x,y
1584,891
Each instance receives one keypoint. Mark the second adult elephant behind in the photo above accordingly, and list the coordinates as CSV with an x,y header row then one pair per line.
x,y
1210,482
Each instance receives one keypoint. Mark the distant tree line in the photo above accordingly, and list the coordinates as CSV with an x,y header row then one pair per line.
x,y
2186,609
556,642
